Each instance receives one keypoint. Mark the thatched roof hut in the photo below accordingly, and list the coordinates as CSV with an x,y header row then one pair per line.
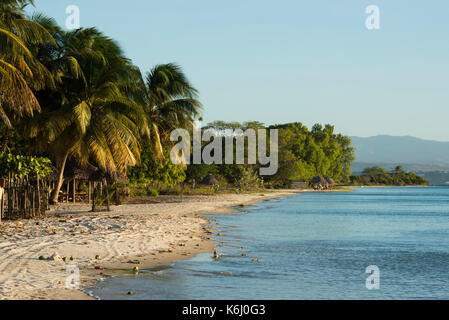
x,y
72,171
318,180
79,173
210,180
116,177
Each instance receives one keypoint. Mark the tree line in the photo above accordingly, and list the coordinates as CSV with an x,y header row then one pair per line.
x,y
303,154
379,176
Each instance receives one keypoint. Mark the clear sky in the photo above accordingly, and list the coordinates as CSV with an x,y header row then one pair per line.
x,y
283,61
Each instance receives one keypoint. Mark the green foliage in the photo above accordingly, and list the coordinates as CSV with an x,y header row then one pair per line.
x,y
304,154
152,169
379,176
248,179
142,191
197,172
23,166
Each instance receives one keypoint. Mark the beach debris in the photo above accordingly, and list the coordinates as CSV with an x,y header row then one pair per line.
x,y
134,262
71,258
97,257
41,258
243,254
64,259
218,234
170,250
136,269
216,256
227,273
55,257
131,293
98,268
86,243
255,260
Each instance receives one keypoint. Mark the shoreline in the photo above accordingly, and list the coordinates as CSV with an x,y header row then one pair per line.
x,y
132,235
392,186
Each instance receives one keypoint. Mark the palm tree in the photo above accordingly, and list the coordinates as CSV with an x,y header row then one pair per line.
x,y
170,102
90,116
20,72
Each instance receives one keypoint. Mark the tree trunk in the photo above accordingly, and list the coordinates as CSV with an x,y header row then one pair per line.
x,y
38,195
117,195
108,207
94,198
55,193
74,191
5,140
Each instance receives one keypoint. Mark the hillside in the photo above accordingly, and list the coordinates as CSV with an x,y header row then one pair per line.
x,y
426,157
391,149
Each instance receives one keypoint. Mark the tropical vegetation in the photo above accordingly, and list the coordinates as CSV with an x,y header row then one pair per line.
x,y
379,176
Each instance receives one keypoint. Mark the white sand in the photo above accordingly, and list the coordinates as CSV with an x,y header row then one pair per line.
x,y
154,233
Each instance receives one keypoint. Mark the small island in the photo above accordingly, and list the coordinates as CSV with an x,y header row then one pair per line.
x,y
376,176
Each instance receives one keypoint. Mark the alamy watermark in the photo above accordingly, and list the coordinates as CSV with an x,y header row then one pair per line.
x,y
372,22
73,20
373,281
72,281
213,152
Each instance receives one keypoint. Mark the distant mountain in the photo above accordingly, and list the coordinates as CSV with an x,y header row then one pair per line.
x,y
391,149
427,157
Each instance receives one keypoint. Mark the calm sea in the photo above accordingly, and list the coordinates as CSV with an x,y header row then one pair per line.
x,y
315,246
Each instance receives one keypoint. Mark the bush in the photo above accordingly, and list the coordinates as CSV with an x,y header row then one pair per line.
x,y
249,179
154,170
23,166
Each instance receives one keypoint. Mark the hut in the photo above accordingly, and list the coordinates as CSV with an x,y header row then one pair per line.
x,y
330,182
73,175
89,175
319,183
210,180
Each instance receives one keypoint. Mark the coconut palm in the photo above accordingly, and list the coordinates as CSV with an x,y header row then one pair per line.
x,y
20,72
90,116
170,102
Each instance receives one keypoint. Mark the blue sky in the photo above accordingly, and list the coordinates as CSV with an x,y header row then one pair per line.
x,y
284,61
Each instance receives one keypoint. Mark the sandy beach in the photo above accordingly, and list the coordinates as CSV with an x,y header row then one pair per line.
x,y
143,235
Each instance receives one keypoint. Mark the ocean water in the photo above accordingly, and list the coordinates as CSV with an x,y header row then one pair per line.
x,y
314,246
